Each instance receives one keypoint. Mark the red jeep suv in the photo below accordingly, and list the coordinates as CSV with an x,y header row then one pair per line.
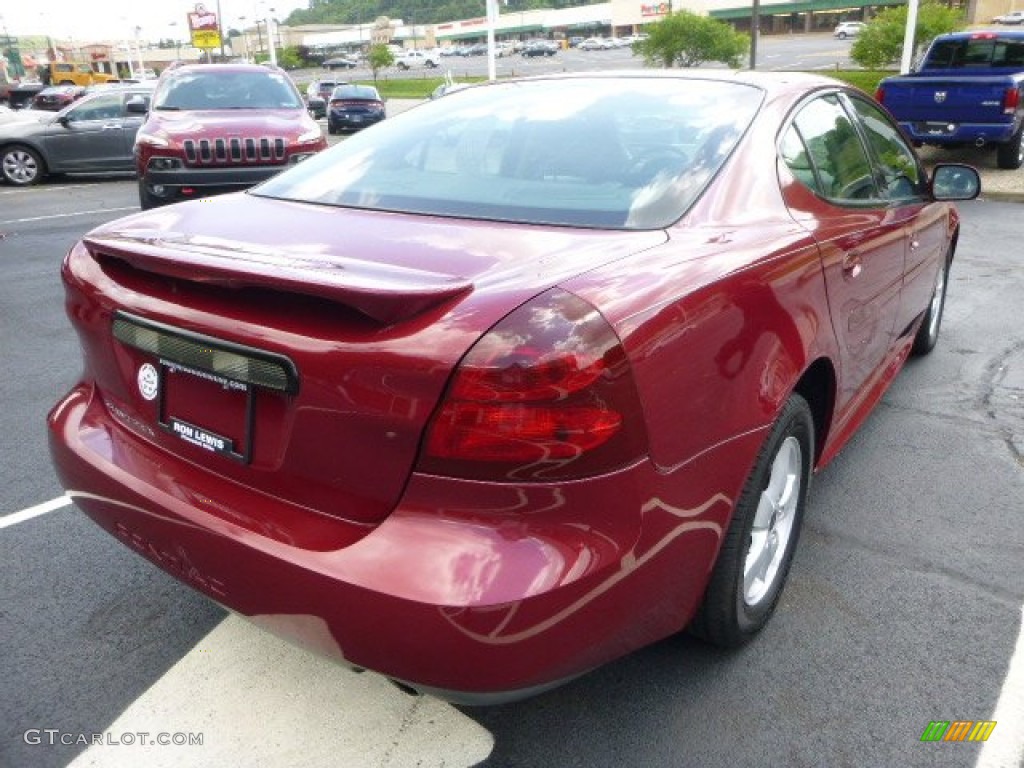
x,y
218,128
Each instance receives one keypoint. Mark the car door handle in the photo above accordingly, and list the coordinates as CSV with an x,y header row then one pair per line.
x,y
914,243
112,127
852,264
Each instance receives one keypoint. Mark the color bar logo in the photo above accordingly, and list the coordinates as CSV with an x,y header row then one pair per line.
x,y
958,730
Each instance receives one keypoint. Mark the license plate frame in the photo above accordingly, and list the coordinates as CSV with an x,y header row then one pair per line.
x,y
200,436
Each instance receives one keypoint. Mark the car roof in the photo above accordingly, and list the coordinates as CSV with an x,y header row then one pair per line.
x,y
776,82
226,67
1015,34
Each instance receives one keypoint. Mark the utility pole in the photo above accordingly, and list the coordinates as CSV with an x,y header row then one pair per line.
x,y
220,31
755,31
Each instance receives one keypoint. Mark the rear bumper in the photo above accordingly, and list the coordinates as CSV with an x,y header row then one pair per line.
x,y
941,133
350,123
475,592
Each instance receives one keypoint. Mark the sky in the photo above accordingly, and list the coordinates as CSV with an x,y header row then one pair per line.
x,y
88,20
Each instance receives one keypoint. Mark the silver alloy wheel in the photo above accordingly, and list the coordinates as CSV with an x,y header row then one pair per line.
x,y
20,167
772,530
935,309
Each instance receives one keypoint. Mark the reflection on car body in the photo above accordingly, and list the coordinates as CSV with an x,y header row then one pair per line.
x,y
516,382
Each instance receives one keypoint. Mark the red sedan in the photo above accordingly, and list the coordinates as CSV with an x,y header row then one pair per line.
x,y
56,97
517,382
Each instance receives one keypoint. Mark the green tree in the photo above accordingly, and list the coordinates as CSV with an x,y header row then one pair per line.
x,y
880,43
289,58
379,56
687,40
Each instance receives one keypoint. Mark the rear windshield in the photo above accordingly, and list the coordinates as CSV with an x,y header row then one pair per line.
x,y
980,52
227,89
355,92
624,153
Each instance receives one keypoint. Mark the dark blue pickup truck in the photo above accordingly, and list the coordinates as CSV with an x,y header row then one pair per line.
x,y
967,90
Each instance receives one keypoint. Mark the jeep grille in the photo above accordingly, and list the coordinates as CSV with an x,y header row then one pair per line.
x,y
235,150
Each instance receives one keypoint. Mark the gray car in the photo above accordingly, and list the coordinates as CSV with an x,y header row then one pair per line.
x,y
93,135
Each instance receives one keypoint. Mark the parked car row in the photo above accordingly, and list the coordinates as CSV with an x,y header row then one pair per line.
x,y
607,43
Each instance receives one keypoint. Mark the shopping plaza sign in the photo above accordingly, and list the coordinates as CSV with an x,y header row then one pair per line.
x,y
655,9
203,26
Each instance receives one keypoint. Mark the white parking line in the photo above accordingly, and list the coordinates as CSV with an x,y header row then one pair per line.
x,y
39,509
67,215
1005,747
40,190
244,697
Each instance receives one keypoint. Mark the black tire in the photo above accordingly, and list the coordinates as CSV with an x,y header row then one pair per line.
x,y
332,130
147,199
928,333
1010,156
737,602
842,35
21,166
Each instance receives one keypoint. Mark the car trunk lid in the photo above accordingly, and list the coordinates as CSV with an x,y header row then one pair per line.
x,y
304,366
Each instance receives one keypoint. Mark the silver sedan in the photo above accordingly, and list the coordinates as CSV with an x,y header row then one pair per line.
x,y
94,135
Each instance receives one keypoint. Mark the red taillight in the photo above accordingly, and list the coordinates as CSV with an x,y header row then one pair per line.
x,y
880,95
1011,100
547,394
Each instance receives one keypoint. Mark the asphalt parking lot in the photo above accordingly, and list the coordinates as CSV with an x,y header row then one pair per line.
x,y
904,605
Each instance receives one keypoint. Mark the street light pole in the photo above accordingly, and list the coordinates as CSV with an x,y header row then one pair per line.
x,y
271,23
138,50
220,30
245,39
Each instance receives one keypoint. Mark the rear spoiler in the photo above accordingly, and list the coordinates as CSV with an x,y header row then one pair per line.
x,y
382,292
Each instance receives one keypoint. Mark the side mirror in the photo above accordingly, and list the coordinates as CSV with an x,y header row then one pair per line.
x,y
136,105
64,120
953,181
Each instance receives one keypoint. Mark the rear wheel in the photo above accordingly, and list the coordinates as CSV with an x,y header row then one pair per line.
x,y
758,548
21,166
928,333
1010,155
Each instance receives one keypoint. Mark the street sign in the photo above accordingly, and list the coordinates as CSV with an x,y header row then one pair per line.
x,y
205,38
204,28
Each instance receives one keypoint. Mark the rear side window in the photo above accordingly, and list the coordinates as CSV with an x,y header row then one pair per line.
x,y
980,52
900,173
842,168
356,92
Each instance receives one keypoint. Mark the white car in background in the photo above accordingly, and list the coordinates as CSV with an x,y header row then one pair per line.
x,y
1013,17
847,29
414,59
